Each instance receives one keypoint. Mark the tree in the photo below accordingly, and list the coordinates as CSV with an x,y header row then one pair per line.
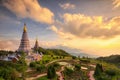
x,y
1,78
98,70
41,68
73,57
32,64
77,67
23,64
68,71
9,74
51,73
111,72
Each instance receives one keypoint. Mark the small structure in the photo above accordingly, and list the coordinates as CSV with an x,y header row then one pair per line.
x,y
36,45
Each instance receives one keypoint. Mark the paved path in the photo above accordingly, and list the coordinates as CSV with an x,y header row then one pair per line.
x,y
91,75
55,61
41,75
32,78
60,74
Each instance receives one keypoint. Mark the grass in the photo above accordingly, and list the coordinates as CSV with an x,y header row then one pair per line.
x,y
48,58
45,78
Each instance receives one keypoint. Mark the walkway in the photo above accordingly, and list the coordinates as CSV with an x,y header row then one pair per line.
x,y
40,75
91,75
55,61
60,74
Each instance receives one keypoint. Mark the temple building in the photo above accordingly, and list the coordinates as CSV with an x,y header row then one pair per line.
x,y
24,44
32,53
36,46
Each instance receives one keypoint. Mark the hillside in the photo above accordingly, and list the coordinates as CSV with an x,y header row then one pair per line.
x,y
115,59
58,52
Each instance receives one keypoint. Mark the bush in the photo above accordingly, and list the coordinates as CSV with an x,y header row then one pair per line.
x,y
98,70
51,73
1,78
41,68
32,64
111,72
56,65
77,67
73,57
9,74
68,71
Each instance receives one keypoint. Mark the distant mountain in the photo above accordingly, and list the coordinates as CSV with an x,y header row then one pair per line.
x,y
115,59
74,51
84,55
58,52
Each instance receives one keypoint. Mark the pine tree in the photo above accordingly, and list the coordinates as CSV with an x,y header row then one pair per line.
x,y
98,70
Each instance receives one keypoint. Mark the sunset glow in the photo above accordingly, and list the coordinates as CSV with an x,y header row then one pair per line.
x,y
87,26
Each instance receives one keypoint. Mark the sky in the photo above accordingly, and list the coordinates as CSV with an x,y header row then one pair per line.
x,y
76,26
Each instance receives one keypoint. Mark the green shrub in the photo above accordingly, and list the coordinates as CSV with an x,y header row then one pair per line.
x,y
77,67
32,64
68,71
51,73
98,70
41,68
111,72
74,57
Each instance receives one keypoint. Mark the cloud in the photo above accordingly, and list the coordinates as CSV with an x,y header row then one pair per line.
x,y
116,3
6,20
79,25
14,44
61,34
67,6
91,34
29,9
9,44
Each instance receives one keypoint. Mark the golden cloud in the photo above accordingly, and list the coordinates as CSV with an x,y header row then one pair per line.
x,y
116,3
29,9
67,6
87,26
91,34
9,44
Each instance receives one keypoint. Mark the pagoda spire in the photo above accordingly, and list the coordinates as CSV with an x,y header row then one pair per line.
x,y
36,44
25,28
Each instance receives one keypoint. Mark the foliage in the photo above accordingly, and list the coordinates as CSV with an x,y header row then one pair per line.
x,y
1,78
41,68
115,59
77,67
56,65
85,61
58,52
51,73
11,71
43,78
68,71
9,74
111,72
74,57
3,52
32,64
98,70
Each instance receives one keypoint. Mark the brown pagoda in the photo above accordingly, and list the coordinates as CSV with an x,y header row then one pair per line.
x,y
36,45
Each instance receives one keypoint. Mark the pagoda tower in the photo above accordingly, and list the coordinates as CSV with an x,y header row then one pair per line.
x,y
36,45
24,45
